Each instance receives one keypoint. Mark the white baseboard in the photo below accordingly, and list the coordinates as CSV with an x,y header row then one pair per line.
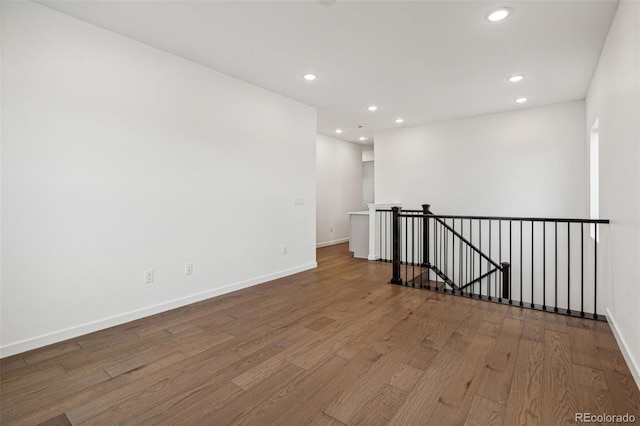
x,y
101,324
332,243
632,363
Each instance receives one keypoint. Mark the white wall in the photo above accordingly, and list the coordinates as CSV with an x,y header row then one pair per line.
x,y
614,99
338,188
368,184
116,158
367,154
527,162
368,177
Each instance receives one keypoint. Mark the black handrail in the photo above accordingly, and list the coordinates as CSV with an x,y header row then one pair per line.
x,y
524,219
504,218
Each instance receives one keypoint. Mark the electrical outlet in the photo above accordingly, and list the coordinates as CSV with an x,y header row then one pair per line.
x,y
284,249
148,276
188,268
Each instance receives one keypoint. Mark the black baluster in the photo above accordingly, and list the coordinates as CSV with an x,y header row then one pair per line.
x,y
544,266
473,259
453,249
582,269
555,308
510,263
569,268
595,271
532,268
443,265
397,229
425,236
521,268
406,251
461,262
480,257
468,258
416,237
435,245
434,251
445,251
488,264
500,254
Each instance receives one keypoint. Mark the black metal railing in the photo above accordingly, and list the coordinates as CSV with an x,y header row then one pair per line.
x,y
540,263
384,223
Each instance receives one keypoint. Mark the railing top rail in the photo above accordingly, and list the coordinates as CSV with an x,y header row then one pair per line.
x,y
505,218
404,211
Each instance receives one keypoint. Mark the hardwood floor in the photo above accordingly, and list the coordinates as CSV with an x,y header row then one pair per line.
x,y
335,345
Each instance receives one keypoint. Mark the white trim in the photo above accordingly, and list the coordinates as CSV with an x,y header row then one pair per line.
x,y
633,365
383,206
332,243
90,327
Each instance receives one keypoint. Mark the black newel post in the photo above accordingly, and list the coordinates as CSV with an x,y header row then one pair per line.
x,y
425,235
397,227
506,273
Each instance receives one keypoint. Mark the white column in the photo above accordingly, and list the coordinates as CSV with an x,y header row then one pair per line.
x,y
374,228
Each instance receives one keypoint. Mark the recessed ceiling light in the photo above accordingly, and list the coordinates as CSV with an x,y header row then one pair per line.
x,y
338,131
399,120
516,78
521,100
310,77
498,14
372,108
362,138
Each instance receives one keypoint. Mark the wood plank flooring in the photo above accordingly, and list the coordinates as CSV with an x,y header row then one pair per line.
x,y
332,346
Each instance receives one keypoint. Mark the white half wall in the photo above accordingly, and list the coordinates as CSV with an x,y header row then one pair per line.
x,y
338,188
520,163
119,158
614,100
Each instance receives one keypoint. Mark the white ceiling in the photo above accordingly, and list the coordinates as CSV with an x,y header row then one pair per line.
x,y
424,61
